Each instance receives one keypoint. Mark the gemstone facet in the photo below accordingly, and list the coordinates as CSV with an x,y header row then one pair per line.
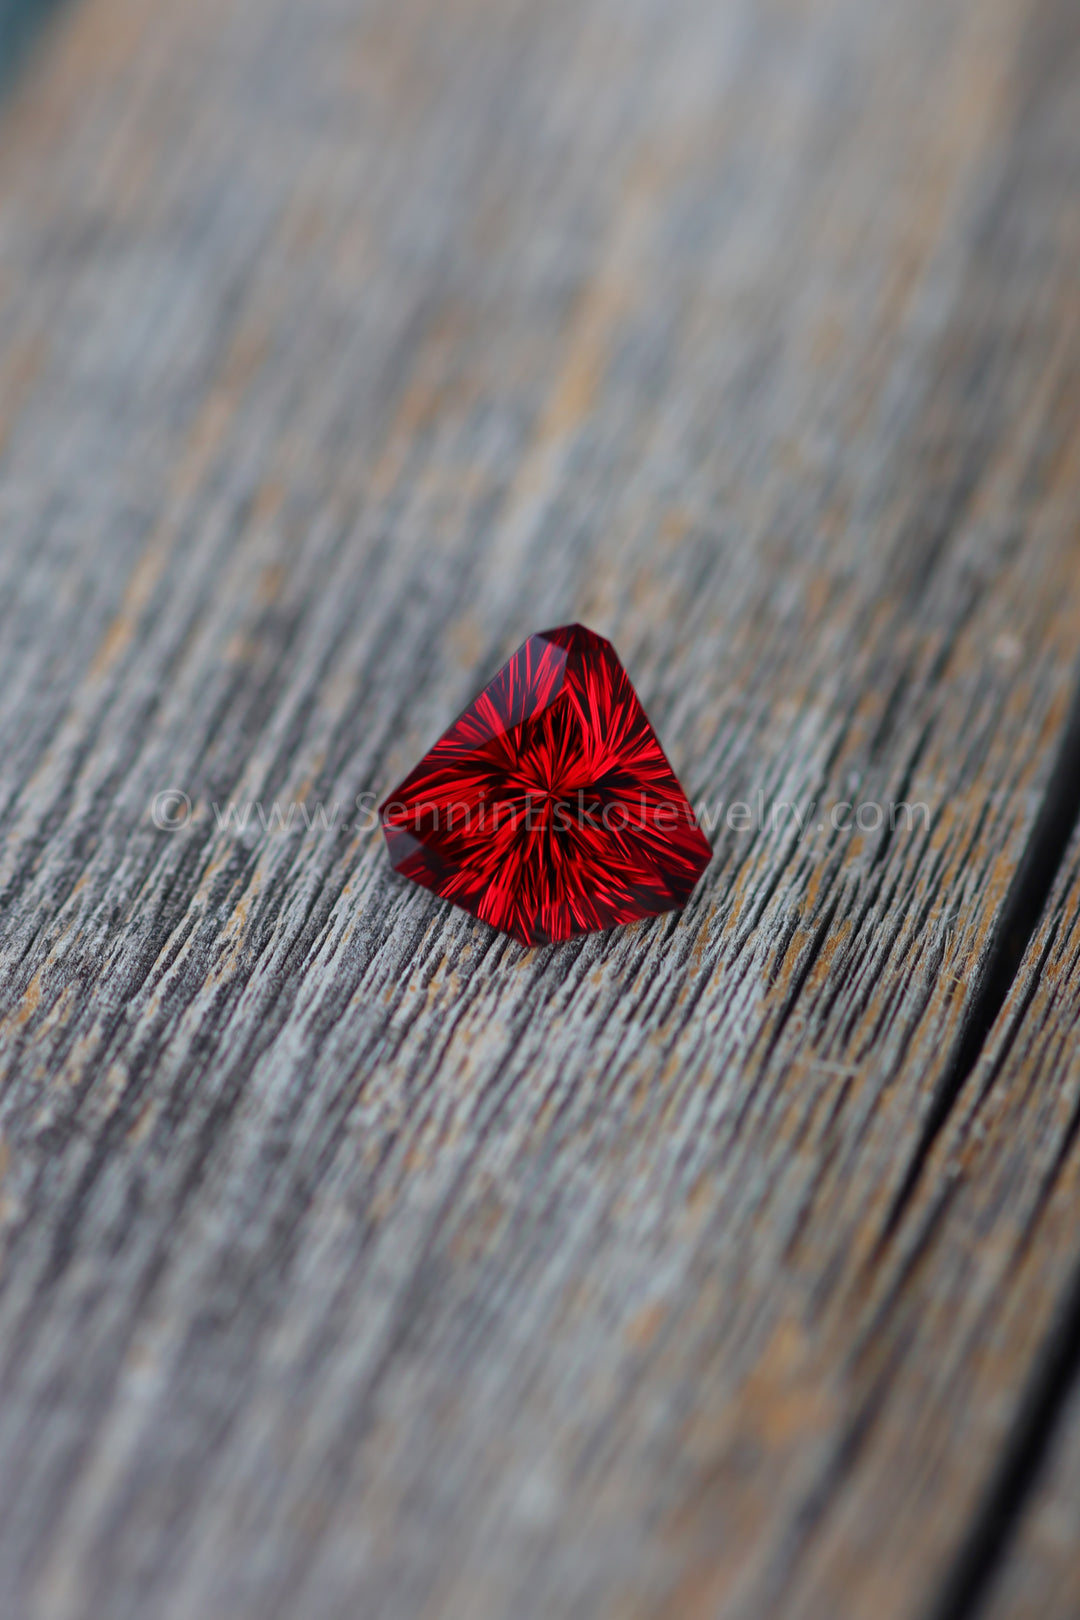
x,y
548,808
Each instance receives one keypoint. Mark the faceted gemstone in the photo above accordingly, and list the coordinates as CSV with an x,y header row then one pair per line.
x,y
549,808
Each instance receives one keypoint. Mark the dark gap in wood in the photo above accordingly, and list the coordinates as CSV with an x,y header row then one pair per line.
x,y
1024,906
1057,1366
1018,1468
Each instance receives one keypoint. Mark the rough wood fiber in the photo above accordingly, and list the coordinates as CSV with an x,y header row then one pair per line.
x,y
356,1260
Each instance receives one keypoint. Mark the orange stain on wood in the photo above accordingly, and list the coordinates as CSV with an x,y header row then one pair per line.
x,y
29,1003
644,1326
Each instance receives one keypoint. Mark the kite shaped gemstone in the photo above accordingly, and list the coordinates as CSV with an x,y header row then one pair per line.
x,y
548,808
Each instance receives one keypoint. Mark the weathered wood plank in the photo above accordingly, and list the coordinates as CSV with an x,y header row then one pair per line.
x,y
968,1333
351,1251
1040,1573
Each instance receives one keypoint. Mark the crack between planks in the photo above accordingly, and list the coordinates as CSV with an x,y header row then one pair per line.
x,y
1019,1467
1057,1366
1024,907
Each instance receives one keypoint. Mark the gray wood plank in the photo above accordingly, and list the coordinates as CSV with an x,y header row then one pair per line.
x,y
353,1255
968,1332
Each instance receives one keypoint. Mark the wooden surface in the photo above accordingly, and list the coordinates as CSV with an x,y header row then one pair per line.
x,y
357,1262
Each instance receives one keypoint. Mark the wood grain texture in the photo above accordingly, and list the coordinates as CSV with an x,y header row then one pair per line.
x,y
356,1260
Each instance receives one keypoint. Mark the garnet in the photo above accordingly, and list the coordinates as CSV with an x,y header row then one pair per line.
x,y
549,808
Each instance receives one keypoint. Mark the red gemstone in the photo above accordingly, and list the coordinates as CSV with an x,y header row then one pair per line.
x,y
549,808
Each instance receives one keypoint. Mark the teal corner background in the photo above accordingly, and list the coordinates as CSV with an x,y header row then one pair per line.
x,y
19,21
